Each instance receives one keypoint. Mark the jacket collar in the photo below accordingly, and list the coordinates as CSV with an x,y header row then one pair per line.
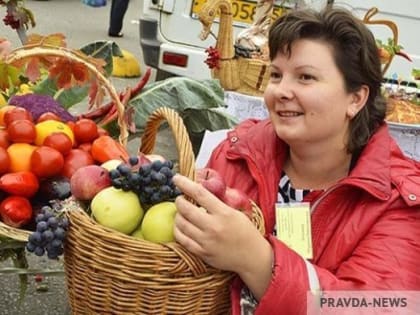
x,y
373,171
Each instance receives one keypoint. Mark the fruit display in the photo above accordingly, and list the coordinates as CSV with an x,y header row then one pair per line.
x,y
38,158
124,194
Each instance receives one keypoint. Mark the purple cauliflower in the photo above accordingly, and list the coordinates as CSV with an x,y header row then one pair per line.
x,y
38,104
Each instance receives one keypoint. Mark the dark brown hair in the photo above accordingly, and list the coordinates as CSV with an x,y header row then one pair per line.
x,y
355,54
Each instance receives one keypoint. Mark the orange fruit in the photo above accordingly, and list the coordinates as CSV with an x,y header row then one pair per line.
x,y
3,110
20,156
47,127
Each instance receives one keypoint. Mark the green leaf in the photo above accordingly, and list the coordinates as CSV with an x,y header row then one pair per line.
x,y
45,87
209,119
187,97
72,96
103,50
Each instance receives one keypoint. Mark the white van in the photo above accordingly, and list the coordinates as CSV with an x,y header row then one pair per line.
x,y
169,32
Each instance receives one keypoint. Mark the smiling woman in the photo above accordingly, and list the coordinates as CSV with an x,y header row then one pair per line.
x,y
325,161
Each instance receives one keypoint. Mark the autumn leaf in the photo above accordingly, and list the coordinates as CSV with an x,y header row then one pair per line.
x,y
9,76
67,72
57,40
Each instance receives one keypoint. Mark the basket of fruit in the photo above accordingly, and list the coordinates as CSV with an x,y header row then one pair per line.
x,y
39,149
145,272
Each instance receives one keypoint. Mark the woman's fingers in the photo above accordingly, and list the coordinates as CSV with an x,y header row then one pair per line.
x,y
192,226
187,242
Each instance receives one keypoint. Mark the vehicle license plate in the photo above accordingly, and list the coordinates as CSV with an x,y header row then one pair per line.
x,y
243,10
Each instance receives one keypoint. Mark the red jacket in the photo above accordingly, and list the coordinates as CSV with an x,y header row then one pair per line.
x,y
365,229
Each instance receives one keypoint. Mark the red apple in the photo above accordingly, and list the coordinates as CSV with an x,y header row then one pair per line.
x,y
238,200
212,181
87,181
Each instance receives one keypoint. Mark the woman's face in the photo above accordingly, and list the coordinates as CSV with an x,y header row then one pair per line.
x,y
306,96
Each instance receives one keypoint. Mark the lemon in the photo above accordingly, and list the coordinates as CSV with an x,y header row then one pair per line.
x,y
47,127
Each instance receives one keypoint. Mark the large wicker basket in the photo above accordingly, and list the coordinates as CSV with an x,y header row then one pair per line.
x,y
24,52
112,273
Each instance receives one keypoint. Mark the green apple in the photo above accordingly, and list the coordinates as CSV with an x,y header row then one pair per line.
x,y
158,223
138,233
117,209
111,164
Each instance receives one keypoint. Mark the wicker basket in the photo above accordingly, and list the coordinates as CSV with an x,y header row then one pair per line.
x,y
24,52
244,75
367,19
112,273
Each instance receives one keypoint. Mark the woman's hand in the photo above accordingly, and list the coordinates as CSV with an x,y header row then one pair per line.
x,y
223,237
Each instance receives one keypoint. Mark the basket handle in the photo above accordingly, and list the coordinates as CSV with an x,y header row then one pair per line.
x,y
368,20
183,143
49,50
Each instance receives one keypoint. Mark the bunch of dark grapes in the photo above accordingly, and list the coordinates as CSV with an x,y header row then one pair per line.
x,y
213,58
51,228
10,20
151,182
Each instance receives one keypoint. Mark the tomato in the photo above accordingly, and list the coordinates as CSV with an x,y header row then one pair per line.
x,y
102,132
59,141
4,161
71,125
24,184
3,110
4,139
87,146
74,160
47,127
85,130
22,131
15,211
48,116
17,113
46,162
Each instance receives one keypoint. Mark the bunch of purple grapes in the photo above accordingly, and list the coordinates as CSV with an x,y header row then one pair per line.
x,y
151,182
48,238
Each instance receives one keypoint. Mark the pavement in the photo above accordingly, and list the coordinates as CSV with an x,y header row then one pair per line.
x,y
81,25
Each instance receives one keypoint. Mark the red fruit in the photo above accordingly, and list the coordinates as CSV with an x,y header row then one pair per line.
x,y
46,162
212,181
17,113
4,161
22,131
21,183
59,141
87,181
15,211
85,130
48,116
238,200
74,160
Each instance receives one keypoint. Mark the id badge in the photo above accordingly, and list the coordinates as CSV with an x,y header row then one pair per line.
x,y
293,222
